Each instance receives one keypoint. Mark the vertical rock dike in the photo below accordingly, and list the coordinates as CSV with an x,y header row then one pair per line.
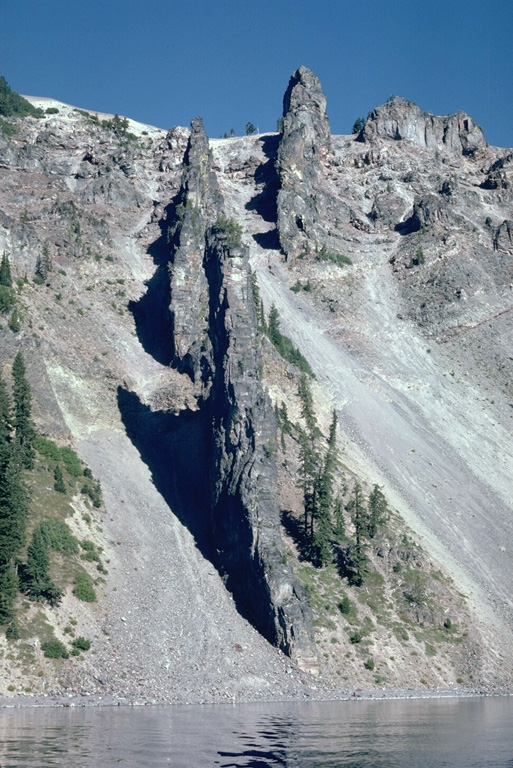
x,y
215,339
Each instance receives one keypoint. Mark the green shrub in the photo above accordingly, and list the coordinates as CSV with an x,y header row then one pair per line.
x,y
71,461
7,298
336,258
345,605
355,637
81,644
38,280
83,587
13,631
231,230
54,649
51,111
448,624
7,128
47,447
59,537
369,664
15,321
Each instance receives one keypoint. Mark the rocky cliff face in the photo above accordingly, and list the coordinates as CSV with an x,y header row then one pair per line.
x,y
142,349
216,343
399,119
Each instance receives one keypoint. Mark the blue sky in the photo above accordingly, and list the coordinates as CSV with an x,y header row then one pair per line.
x,y
229,61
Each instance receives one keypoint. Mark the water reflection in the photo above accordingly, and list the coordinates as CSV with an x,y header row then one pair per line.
x,y
464,733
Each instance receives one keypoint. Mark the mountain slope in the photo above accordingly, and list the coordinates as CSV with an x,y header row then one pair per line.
x,y
408,338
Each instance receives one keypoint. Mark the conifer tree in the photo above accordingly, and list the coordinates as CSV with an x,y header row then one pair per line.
x,y
360,522
378,510
308,463
5,272
13,508
36,573
339,527
273,327
324,528
307,408
23,426
8,592
58,480
5,418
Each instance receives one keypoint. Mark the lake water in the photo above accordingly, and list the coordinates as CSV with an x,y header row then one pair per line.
x,y
426,733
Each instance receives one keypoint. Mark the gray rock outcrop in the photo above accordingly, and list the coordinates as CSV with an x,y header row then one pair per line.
x,y
196,208
503,240
303,154
399,119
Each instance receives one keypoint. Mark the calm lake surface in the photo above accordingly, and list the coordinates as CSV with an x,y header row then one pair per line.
x,y
426,733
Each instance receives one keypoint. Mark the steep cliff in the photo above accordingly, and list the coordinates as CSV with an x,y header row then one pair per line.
x,y
216,342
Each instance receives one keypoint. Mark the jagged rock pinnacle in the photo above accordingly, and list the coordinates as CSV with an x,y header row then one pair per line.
x,y
302,156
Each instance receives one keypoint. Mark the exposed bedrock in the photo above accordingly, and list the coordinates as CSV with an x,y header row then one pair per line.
x,y
400,119
196,208
215,342
304,202
245,512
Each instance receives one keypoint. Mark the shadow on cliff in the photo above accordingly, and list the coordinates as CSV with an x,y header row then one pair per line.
x,y
295,529
153,319
265,203
175,449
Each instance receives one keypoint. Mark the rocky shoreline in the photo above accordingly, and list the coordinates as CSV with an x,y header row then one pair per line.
x,y
308,694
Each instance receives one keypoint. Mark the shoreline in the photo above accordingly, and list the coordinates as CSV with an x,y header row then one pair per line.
x,y
74,701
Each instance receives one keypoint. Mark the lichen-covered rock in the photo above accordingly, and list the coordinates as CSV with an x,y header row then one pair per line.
x,y
399,119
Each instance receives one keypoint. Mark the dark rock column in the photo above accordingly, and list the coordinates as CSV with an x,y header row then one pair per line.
x,y
196,208
245,512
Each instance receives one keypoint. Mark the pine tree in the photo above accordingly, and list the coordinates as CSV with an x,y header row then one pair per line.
x,y
58,480
5,418
378,511
13,507
324,483
273,327
23,426
8,592
360,522
339,527
44,263
36,573
308,467
307,408
5,272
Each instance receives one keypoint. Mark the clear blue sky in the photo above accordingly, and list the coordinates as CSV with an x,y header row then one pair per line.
x,y
229,61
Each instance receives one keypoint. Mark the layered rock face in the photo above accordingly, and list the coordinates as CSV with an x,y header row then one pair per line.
x,y
304,151
400,119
